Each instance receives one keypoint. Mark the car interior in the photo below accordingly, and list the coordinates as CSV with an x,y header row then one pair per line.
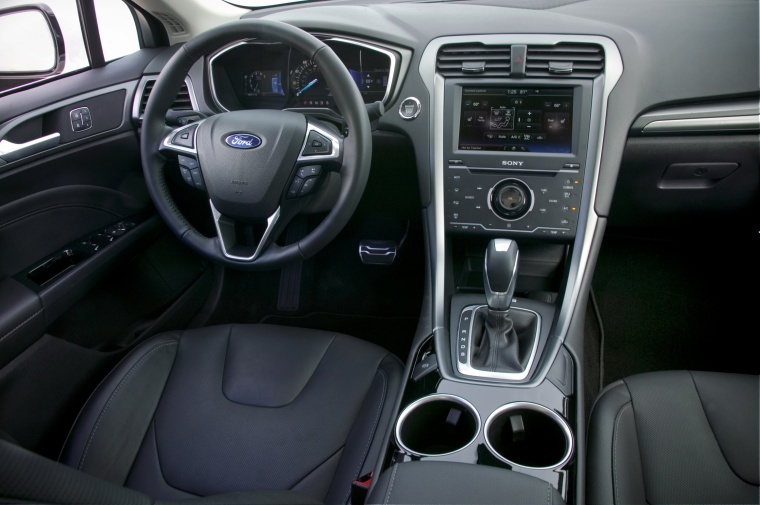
x,y
382,251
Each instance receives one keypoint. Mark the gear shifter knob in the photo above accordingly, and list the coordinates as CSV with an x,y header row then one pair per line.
x,y
500,273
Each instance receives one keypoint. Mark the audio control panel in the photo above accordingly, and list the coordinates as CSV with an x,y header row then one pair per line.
x,y
483,201
515,155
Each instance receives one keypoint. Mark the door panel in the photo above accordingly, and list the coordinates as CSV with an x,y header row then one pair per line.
x,y
87,268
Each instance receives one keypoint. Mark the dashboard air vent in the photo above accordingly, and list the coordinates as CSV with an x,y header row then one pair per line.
x,y
564,60
473,60
182,102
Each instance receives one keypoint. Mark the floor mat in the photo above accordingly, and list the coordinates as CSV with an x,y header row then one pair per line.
x,y
676,305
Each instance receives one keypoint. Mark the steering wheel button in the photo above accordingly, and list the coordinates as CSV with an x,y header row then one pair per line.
x,y
184,137
310,171
197,178
308,186
316,143
187,162
187,176
295,186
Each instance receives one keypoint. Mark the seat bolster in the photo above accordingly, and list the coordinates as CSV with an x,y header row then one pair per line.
x,y
26,477
731,404
109,431
615,474
439,482
364,444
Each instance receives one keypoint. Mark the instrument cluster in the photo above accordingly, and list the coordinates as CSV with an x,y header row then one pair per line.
x,y
258,74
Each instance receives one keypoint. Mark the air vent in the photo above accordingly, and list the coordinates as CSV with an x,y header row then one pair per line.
x,y
182,102
564,60
171,23
473,60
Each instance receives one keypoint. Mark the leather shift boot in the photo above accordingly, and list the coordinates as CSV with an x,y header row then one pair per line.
x,y
498,344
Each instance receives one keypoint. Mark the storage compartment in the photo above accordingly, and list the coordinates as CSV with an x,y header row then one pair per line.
x,y
529,435
437,425
55,265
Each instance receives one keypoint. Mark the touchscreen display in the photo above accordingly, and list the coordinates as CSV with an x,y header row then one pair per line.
x,y
536,120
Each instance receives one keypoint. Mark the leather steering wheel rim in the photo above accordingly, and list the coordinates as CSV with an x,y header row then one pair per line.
x,y
356,147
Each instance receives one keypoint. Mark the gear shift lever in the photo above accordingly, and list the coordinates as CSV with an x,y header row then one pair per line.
x,y
498,345
500,273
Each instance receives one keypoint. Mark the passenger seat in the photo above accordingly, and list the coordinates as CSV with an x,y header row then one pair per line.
x,y
675,437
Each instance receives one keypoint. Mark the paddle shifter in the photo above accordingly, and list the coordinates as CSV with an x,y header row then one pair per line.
x,y
497,343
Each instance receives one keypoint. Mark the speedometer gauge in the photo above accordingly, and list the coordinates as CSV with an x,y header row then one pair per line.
x,y
307,81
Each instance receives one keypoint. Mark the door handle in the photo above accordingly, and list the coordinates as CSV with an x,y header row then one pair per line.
x,y
12,152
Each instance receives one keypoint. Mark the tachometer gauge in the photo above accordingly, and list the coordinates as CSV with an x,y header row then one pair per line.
x,y
307,81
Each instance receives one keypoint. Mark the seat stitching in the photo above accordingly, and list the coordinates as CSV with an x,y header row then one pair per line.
x,y
59,206
390,488
21,324
113,395
614,450
372,431
548,495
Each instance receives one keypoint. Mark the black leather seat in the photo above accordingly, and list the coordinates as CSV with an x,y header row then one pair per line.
x,y
237,408
675,437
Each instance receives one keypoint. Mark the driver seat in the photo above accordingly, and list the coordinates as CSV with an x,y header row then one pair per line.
x,y
238,408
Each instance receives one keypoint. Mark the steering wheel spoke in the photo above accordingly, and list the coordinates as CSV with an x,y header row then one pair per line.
x,y
182,141
260,166
321,146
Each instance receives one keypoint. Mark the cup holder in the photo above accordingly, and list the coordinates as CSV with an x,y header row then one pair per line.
x,y
529,435
437,425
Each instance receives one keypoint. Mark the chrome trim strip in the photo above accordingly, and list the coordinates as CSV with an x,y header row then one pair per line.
x,y
211,66
704,124
429,399
392,56
141,90
335,141
468,369
537,408
394,63
167,142
271,222
579,261
18,151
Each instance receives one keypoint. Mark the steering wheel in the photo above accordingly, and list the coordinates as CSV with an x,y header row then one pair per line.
x,y
259,168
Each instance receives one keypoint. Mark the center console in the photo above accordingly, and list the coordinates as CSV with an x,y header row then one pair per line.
x,y
516,126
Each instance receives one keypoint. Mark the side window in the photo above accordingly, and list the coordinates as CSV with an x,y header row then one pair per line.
x,y
58,46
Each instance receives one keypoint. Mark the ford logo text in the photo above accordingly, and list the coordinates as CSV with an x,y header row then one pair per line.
x,y
242,141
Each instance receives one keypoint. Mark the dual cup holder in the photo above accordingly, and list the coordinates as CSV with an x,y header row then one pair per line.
x,y
520,434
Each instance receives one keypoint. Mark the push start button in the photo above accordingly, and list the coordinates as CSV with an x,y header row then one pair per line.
x,y
410,108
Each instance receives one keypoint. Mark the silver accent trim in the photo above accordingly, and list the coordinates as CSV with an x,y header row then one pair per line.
x,y
18,151
394,64
468,369
434,82
167,142
141,90
335,141
271,222
705,124
391,71
537,408
429,399
218,54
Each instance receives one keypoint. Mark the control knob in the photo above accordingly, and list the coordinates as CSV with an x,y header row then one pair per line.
x,y
510,199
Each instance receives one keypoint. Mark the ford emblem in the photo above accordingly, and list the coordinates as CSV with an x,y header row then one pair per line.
x,y
243,141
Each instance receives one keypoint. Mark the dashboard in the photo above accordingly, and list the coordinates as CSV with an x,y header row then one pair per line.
x,y
257,74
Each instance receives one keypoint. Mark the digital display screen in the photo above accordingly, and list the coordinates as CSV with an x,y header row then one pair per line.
x,y
538,120
263,83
